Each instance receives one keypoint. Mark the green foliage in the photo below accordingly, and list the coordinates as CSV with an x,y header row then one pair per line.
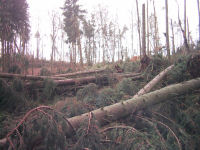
x,y
73,15
179,73
88,136
49,90
88,94
126,86
74,108
42,129
107,97
10,100
45,72
129,66
157,64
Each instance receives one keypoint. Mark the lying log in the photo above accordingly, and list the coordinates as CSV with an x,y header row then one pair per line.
x,y
28,77
153,82
81,73
87,80
122,109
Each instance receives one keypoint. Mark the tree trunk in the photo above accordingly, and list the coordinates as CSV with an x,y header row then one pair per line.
x,y
101,79
28,77
148,51
185,18
167,30
143,31
199,16
81,73
80,50
138,16
153,82
173,45
122,109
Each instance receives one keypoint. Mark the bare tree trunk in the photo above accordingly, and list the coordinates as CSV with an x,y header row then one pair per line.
x,y
156,38
138,16
132,30
183,33
173,45
143,31
188,32
148,51
167,30
199,16
185,18
80,50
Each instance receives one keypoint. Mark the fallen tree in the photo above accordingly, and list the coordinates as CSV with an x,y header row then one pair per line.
x,y
102,79
153,82
122,109
28,77
81,73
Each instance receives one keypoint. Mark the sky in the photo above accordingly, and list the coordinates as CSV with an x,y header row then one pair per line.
x,y
40,14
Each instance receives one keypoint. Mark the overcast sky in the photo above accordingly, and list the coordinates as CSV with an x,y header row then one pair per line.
x,y
40,11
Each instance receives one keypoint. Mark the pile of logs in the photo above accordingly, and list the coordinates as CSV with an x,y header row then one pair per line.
x,y
73,80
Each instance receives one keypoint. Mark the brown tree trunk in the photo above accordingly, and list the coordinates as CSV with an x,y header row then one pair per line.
x,y
199,16
167,30
148,51
143,31
138,16
173,45
102,79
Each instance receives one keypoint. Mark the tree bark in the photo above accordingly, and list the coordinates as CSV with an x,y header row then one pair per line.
x,y
103,79
138,16
148,51
199,17
153,82
143,31
82,73
28,77
167,30
173,45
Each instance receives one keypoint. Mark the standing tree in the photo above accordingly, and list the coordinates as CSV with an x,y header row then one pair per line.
x,y
167,30
89,34
54,20
143,31
73,15
173,45
156,33
139,36
37,36
14,23
199,16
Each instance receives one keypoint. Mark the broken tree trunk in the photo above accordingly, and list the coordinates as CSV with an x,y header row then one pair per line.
x,y
153,82
28,77
82,73
87,80
122,109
